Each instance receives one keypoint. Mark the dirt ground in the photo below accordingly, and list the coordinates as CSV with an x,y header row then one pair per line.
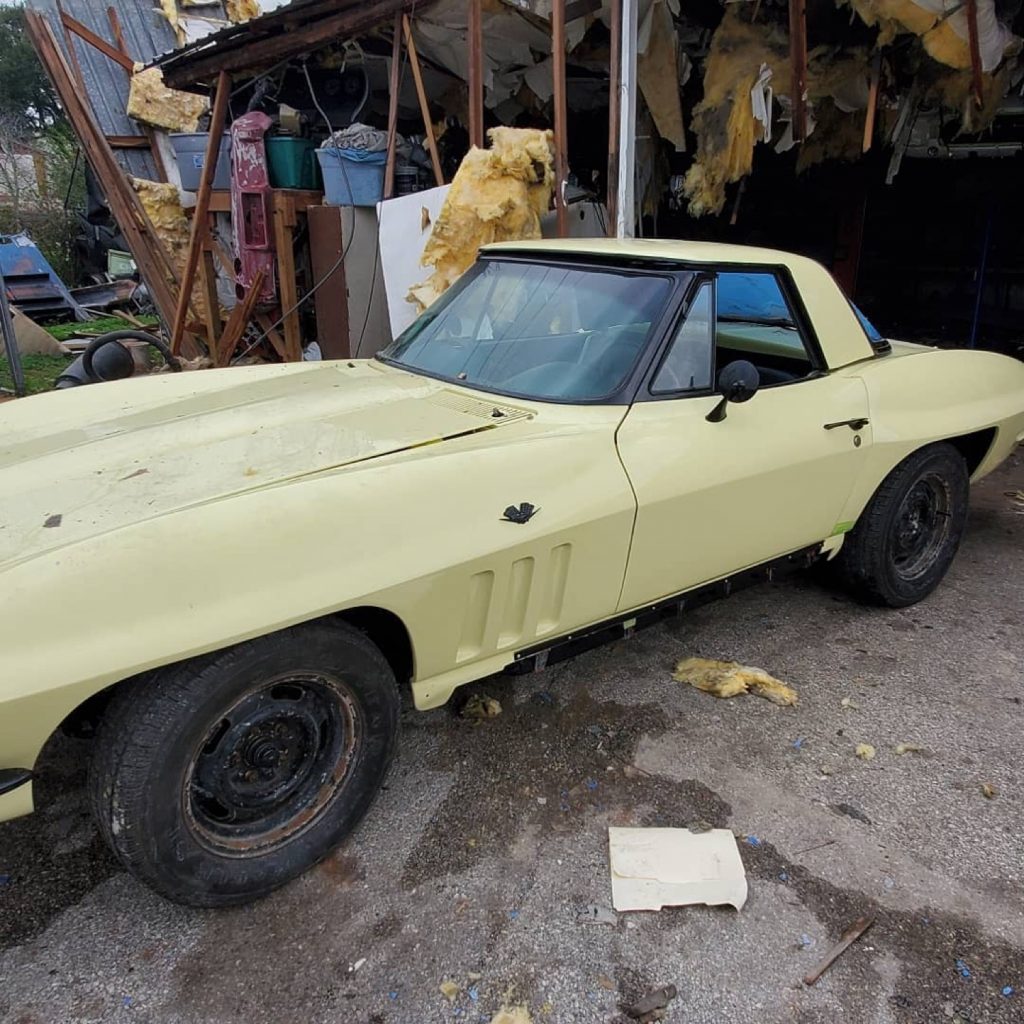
x,y
491,837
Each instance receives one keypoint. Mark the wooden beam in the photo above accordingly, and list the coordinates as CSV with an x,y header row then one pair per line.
x,y
561,113
96,42
798,60
72,54
394,85
211,302
977,85
869,117
125,206
115,27
248,53
614,86
428,125
284,243
476,74
127,141
238,320
199,223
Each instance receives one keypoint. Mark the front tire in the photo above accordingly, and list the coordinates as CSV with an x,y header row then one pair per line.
x,y
907,536
219,779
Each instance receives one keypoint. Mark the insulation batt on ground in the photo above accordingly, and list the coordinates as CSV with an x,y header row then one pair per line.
x,y
497,195
730,678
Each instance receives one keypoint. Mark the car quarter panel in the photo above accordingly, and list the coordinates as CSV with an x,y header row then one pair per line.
x,y
418,533
920,395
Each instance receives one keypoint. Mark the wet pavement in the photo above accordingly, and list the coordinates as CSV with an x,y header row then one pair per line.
x,y
491,837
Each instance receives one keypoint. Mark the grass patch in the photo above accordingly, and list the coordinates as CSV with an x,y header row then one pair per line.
x,y
101,325
40,372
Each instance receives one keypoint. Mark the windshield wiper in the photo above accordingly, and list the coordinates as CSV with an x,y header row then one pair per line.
x,y
766,321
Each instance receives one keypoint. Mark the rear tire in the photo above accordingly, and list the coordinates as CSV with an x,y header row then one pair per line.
x,y
219,779
907,536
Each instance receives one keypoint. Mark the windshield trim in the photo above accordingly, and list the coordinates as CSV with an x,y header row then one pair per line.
x,y
677,277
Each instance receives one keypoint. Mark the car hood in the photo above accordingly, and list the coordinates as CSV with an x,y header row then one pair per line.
x,y
76,464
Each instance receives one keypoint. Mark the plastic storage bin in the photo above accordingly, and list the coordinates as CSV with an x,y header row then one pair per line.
x,y
292,162
190,152
352,177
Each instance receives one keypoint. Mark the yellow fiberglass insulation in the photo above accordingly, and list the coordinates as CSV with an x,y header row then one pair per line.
x,y
498,194
162,206
242,10
724,121
892,17
152,102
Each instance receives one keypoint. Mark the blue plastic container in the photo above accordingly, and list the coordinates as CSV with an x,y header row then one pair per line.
x,y
352,177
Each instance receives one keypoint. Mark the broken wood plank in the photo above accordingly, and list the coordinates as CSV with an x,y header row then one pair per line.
x,y
237,321
849,937
869,117
476,74
561,113
199,224
96,42
127,141
417,74
798,59
394,85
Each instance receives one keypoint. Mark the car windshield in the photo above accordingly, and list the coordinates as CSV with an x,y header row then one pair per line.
x,y
545,331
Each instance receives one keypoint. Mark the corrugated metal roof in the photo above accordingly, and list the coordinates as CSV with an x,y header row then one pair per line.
x,y
147,33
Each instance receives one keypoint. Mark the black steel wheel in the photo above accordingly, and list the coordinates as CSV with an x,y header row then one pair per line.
x,y
219,779
907,537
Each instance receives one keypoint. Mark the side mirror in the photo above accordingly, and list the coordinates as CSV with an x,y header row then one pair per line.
x,y
738,382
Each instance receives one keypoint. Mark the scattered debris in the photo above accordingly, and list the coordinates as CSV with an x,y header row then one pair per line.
x,y
52,522
652,1006
865,751
480,706
908,748
729,678
851,811
962,969
806,941
988,791
594,913
850,703
512,1015
449,989
1018,499
799,742
355,967
816,846
849,937
752,841
1007,991
606,983
653,868
700,826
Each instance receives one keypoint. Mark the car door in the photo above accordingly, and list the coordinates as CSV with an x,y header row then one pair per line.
x,y
773,476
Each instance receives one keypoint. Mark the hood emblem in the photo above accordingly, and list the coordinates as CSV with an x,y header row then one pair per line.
x,y
521,514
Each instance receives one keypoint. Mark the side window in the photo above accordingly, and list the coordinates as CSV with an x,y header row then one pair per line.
x,y
688,361
754,321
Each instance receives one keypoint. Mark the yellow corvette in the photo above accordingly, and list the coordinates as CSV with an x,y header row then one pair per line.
x,y
249,565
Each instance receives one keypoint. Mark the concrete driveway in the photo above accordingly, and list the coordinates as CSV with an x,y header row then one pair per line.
x,y
491,837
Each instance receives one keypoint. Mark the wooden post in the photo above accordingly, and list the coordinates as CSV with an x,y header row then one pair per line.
x,y
798,59
869,117
395,85
284,243
476,74
428,126
614,85
208,283
561,113
199,221
972,36
237,321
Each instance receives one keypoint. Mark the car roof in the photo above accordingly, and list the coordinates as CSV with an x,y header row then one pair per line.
x,y
653,249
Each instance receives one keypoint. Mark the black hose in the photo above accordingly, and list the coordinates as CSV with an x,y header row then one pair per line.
x,y
158,343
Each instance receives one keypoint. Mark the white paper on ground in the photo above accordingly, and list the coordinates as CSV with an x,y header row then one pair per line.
x,y
668,867
403,235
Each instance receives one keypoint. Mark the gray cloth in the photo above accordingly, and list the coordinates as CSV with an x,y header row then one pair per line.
x,y
358,136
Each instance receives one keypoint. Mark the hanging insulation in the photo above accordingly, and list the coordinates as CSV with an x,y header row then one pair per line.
x,y
152,102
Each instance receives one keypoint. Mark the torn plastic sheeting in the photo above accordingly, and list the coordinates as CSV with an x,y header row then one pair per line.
x,y
152,102
730,678
941,26
653,868
498,194
761,102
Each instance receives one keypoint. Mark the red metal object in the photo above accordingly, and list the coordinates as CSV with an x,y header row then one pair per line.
x,y
250,208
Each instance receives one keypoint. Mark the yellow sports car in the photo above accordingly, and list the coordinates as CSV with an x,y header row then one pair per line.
x,y
248,566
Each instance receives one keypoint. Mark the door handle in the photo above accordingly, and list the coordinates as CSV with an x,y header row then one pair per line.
x,y
858,423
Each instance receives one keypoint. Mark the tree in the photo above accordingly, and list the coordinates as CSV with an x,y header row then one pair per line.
x,y
26,95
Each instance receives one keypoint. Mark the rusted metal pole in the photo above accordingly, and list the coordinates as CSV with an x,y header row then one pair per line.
x,y
798,60
199,218
625,203
614,82
561,113
972,36
476,74
394,86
